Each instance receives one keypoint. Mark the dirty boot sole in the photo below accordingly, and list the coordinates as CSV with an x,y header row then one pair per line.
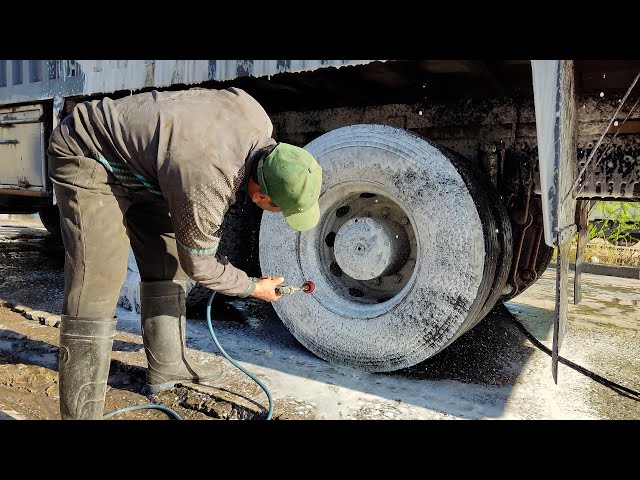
x,y
159,387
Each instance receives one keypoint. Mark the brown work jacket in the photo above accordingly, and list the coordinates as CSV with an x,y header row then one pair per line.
x,y
194,148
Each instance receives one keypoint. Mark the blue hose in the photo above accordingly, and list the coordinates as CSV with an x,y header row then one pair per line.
x,y
270,413
172,413
166,410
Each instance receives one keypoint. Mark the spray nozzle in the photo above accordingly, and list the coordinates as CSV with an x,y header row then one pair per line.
x,y
307,287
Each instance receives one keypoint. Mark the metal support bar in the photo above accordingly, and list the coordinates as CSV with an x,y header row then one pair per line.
x,y
5,123
583,237
11,190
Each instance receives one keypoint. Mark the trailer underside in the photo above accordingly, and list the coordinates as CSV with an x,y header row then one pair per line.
x,y
479,116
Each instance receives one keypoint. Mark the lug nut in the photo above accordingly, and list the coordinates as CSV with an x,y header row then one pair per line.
x,y
527,275
397,278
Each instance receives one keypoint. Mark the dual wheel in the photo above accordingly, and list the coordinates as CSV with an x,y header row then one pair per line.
x,y
413,249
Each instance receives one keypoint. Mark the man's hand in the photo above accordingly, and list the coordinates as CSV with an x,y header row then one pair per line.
x,y
266,288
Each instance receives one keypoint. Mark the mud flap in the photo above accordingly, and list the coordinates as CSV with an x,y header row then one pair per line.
x,y
556,128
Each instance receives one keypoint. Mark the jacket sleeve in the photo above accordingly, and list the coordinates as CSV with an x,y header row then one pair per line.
x,y
197,215
205,145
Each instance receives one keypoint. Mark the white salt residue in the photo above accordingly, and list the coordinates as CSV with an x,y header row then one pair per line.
x,y
338,392
265,347
591,343
550,401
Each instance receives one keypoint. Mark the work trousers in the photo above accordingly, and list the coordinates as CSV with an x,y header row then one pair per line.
x,y
100,221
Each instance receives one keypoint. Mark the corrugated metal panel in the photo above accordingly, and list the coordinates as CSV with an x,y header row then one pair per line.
x,y
111,75
171,72
86,77
229,69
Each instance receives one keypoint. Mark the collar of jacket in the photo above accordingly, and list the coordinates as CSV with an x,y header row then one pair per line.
x,y
254,157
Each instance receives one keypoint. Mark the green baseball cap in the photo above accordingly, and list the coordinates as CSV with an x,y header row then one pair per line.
x,y
292,178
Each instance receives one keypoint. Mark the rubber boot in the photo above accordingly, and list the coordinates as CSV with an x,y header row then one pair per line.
x,y
83,366
163,323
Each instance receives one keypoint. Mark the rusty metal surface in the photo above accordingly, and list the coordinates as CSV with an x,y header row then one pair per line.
x,y
22,191
616,169
22,150
566,147
531,255
596,157
481,130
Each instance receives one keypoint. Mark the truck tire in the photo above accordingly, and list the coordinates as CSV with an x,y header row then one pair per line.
x,y
50,218
486,194
405,257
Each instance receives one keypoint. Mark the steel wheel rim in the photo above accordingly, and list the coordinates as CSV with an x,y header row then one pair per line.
x,y
360,293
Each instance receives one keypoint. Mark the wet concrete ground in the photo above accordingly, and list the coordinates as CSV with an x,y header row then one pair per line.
x,y
492,372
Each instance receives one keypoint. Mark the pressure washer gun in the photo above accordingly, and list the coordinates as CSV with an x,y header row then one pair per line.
x,y
307,287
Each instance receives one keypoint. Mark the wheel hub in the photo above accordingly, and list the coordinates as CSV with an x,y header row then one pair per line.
x,y
363,248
